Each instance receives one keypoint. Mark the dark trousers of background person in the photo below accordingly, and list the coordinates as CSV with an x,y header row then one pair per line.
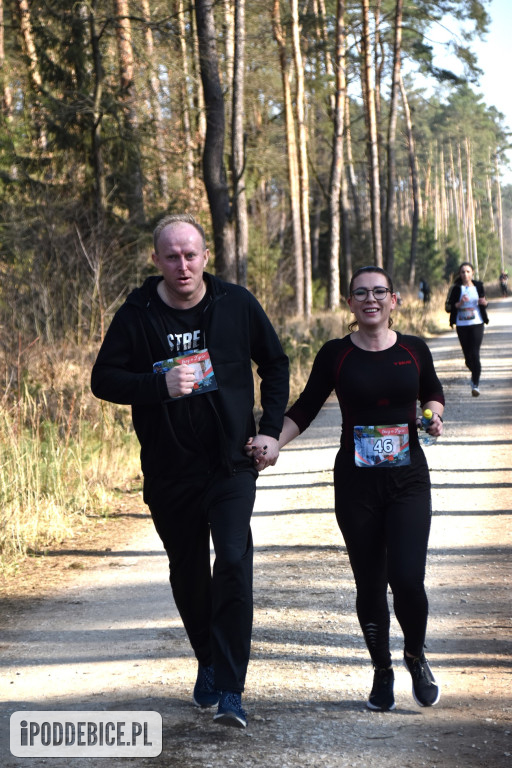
x,y
384,515
216,608
470,337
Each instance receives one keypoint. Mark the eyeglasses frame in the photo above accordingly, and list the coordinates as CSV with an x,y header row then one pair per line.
x,y
371,290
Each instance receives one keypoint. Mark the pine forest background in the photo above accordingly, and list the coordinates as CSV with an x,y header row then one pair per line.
x,y
309,137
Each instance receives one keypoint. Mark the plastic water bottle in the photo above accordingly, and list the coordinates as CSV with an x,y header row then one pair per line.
x,y
425,437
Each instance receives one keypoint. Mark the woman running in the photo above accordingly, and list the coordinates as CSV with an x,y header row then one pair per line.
x,y
467,304
381,478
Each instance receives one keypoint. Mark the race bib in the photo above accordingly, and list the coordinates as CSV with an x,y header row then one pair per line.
x,y
386,445
204,377
466,314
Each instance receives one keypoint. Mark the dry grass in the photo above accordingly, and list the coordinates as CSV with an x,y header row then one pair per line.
x,y
62,453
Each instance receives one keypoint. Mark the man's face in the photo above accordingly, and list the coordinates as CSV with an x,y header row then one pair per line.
x,y
181,259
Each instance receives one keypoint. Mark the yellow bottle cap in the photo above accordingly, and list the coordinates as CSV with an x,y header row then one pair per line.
x,y
427,413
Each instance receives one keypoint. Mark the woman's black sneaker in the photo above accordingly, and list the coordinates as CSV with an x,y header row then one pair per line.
x,y
381,698
425,690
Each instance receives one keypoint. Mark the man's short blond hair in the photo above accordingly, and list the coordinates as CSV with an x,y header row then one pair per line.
x,y
177,218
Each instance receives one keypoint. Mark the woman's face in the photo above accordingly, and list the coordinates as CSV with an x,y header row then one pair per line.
x,y
466,274
371,312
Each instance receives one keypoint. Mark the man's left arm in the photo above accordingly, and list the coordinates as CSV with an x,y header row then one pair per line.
x,y
273,370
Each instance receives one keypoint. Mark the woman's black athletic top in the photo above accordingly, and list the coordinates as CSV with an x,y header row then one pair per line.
x,y
373,388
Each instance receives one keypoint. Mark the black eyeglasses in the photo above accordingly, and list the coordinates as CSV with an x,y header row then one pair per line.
x,y
379,293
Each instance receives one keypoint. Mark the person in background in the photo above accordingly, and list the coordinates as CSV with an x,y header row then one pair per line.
x,y
424,292
504,283
198,480
467,304
383,507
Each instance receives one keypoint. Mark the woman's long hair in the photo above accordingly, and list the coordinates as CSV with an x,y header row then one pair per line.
x,y
363,271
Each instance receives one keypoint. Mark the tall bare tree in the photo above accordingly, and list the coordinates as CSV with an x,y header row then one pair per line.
x,y
100,187
238,145
414,183
154,100
337,170
36,80
293,166
186,103
300,111
372,134
133,182
5,89
214,171
391,182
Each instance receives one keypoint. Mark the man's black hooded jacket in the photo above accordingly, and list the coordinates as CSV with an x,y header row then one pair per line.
x,y
236,331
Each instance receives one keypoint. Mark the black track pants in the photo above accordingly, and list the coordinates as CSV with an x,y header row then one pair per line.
x,y
384,515
471,337
216,608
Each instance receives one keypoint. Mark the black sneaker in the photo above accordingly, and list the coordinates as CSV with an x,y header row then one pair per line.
x,y
205,695
381,698
425,690
230,711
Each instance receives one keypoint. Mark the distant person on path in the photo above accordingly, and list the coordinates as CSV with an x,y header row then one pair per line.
x,y
198,479
424,292
504,283
467,304
383,505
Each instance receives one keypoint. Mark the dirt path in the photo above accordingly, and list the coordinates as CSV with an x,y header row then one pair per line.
x,y
108,637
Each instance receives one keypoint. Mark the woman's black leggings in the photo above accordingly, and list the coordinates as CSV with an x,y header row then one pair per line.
x,y
470,337
384,516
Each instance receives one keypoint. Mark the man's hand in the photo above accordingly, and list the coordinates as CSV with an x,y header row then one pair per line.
x,y
180,380
264,451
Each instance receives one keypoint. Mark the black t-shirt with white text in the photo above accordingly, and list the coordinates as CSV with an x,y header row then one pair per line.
x,y
192,417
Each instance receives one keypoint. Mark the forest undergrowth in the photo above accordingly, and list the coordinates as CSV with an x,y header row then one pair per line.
x,y
66,457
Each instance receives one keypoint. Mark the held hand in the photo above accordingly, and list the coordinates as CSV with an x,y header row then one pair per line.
x,y
264,451
180,380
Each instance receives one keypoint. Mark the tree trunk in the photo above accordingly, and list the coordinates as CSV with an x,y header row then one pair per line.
x,y
471,209
300,110
154,100
238,145
414,184
214,172
371,121
293,167
36,80
456,201
100,186
391,185
352,178
133,171
185,102
333,283
499,211
5,91
467,256
229,48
